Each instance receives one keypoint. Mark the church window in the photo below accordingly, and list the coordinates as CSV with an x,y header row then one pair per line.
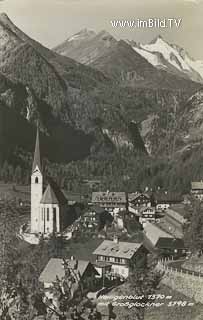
x,y
47,214
36,180
54,214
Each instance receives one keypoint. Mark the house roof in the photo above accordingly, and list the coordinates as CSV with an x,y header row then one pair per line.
x,y
37,158
197,185
153,233
120,250
53,194
100,197
55,268
134,196
169,243
169,196
176,216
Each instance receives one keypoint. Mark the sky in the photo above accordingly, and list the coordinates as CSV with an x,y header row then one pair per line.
x,y
53,21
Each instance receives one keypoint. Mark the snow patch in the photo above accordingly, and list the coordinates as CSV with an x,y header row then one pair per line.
x,y
168,52
149,56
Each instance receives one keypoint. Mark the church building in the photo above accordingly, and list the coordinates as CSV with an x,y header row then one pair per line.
x,y
48,208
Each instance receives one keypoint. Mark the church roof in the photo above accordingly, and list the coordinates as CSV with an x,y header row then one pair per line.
x,y
37,158
53,194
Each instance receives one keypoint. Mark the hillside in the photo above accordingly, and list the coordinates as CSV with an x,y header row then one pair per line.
x,y
124,62
118,102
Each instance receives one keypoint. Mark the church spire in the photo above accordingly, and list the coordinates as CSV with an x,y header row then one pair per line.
x,y
37,158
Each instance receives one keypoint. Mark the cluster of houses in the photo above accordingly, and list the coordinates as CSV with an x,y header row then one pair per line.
x,y
146,207
111,257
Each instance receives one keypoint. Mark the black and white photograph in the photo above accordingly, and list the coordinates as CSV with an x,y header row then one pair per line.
x,y
101,160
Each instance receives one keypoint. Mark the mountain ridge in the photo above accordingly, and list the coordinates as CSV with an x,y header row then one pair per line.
x,y
88,50
98,108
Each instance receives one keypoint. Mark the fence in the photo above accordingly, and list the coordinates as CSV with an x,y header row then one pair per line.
x,y
167,265
184,281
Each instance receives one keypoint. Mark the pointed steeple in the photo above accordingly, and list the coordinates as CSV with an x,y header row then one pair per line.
x,y
37,158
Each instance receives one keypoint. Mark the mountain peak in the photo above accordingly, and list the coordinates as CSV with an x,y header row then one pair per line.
x,y
104,33
82,34
156,39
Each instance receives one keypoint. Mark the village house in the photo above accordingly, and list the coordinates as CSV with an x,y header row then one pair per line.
x,y
110,200
147,214
171,247
175,216
82,271
90,219
139,199
152,232
122,256
96,216
197,190
166,199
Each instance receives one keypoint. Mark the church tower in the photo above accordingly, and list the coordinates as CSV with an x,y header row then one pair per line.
x,y
36,188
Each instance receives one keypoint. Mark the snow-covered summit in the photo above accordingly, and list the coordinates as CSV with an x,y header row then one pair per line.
x,y
171,57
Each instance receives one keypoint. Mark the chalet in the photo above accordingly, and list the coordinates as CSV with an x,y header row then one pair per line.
x,y
171,247
90,219
121,255
81,270
148,214
197,190
165,199
139,199
110,200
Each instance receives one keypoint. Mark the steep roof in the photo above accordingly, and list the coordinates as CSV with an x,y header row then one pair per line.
x,y
153,233
169,243
55,268
124,250
37,158
176,216
53,194
165,197
137,195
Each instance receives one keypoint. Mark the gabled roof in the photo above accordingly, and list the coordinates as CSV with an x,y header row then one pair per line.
x,y
37,158
55,268
176,216
134,196
153,233
167,197
169,243
124,250
53,194
49,196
